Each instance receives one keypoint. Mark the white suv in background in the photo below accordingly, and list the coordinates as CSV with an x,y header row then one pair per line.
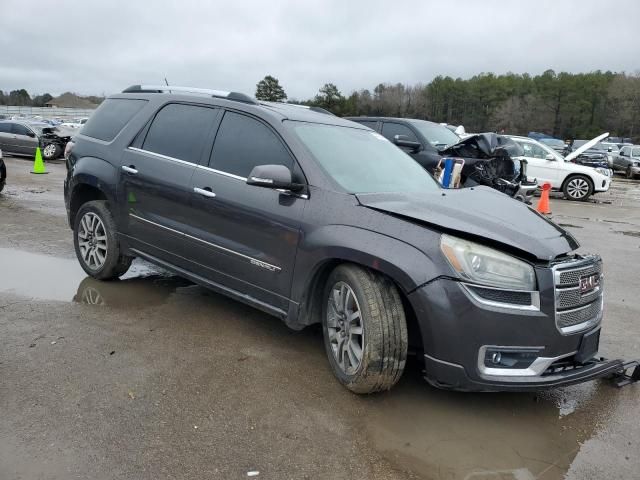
x,y
577,182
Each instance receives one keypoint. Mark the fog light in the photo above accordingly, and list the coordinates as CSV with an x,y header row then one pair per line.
x,y
519,358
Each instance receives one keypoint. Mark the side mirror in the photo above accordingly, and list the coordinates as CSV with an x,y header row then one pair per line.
x,y
610,149
31,134
272,176
622,154
549,157
403,141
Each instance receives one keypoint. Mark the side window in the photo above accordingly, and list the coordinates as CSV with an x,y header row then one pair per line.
x,y
20,129
368,123
624,151
180,131
243,143
5,127
636,152
390,130
111,117
533,151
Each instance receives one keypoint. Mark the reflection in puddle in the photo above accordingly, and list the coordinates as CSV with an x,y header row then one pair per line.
x,y
44,277
515,436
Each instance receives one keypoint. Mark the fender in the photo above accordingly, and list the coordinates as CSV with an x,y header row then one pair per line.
x,y
94,172
407,266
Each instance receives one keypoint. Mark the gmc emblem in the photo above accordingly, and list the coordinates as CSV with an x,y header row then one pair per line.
x,y
589,282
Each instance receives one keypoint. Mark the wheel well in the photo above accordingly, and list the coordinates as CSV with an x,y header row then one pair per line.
x,y
311,309
82,194
574,175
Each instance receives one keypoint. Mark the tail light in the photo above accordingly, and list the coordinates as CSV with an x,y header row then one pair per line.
x,y
68,148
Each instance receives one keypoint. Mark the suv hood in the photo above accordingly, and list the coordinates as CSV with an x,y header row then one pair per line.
x,y
480,212
585,147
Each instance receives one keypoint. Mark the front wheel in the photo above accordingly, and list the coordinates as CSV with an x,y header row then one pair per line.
x,y
96,244
365,330
51,151
578,188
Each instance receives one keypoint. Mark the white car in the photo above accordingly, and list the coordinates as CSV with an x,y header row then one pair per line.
x,y
577,182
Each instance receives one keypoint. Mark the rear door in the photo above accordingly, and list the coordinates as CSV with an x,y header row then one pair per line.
x,y
6,137
538,166
244,236
156,175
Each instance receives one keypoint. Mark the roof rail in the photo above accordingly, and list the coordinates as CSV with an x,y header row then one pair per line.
x,y
312,108
239,97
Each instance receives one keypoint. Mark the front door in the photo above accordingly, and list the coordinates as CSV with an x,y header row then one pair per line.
x,y
155,178
25,140
538,166
244,236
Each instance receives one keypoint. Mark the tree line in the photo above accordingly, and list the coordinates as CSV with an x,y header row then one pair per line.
x,y
564,105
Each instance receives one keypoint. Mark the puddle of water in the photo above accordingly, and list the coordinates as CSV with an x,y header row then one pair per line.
x,y
43,277
629,233
506,436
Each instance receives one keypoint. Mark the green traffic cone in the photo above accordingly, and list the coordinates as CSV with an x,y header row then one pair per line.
x,y
38,165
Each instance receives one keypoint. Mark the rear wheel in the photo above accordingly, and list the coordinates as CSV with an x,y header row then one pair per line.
x,y
365,330
96,244
629,173
578,187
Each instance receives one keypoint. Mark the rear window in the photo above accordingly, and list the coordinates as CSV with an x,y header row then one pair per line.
x,y
111,117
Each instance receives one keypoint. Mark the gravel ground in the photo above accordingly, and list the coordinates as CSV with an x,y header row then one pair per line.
x,y
152,377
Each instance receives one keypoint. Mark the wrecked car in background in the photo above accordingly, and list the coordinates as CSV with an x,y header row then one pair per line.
x,y
488,157
3,172
21,138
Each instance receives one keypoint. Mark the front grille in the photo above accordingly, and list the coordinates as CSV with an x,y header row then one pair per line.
x,y
576,311
569,318
503,296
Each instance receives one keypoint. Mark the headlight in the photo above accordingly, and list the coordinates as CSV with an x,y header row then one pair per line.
x,y
480,264
603,171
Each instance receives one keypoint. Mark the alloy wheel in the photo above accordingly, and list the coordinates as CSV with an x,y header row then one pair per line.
x,y
345,327
49,151
578,188
92,240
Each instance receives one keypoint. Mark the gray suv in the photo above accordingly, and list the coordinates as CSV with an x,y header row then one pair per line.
x,y
318,220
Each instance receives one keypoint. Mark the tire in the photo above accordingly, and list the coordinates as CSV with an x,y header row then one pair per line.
x,y
51,151
382,325
629,174
578,188
96,244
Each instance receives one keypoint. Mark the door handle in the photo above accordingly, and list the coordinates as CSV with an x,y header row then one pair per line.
x,y
130,169
205,192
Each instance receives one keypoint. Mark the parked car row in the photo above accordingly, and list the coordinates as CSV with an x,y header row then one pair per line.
x,y
628,161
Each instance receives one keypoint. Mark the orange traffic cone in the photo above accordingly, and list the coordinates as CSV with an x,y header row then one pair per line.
x,y
543,203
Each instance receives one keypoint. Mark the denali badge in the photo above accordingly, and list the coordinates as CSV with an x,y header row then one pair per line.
x,y
589,282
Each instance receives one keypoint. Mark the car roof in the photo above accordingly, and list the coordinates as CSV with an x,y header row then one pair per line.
x,y
394,119
277,111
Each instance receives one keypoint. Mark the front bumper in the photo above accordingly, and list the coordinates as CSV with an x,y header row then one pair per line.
x,y
458,331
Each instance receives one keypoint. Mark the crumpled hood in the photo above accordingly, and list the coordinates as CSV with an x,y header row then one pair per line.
x,y
482,212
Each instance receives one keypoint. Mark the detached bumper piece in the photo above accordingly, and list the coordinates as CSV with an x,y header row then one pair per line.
x,y
622,378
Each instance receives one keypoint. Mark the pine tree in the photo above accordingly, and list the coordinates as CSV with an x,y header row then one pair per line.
x,y
269,89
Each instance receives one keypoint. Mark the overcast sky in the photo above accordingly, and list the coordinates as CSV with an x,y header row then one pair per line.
x,y
95,47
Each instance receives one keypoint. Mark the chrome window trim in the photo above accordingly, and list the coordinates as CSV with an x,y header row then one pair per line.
x,y
533,306
538,366
220,172
165,157
252,260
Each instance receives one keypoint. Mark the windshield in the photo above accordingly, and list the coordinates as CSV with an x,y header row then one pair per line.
x,y
362,161
437,135
553,142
